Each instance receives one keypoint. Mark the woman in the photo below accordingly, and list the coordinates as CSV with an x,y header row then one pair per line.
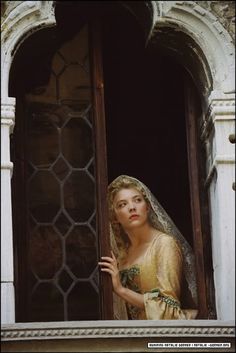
x,y
150,260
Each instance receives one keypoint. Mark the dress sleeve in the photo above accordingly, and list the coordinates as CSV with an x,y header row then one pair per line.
x,y
162,303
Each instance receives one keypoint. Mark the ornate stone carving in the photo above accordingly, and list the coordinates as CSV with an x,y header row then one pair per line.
x,y
19,19
222,109
8,334
8,113
224,11
212,43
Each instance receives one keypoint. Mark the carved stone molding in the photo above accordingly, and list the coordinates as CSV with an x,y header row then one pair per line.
x,y
21,13
224,10
19,20
8,113
8,110
221,110
101,330
212,44
218,110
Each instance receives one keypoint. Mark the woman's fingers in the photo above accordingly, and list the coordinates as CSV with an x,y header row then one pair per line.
x,y
107,264
107,258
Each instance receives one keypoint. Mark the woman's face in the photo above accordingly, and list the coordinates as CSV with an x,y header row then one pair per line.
x,y
130,207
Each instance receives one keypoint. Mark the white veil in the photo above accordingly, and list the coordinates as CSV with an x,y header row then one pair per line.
x,y
159,219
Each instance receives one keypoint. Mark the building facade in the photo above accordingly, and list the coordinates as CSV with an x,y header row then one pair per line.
x,y
198,36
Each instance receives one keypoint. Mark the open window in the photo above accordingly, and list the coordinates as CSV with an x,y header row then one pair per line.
x,y
94,102
153,121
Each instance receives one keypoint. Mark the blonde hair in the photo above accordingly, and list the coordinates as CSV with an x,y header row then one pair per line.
x,y
158,219
121,238
115,187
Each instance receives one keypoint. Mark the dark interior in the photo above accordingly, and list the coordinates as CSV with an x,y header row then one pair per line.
x,y
145,118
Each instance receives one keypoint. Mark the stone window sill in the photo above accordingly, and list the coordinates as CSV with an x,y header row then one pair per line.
x,y
113,336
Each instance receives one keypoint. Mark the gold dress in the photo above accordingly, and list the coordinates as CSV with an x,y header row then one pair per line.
x,y
158,276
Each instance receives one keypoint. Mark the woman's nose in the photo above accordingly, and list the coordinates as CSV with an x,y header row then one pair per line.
x,y
132,207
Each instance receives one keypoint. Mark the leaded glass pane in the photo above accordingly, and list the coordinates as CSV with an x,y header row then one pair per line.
x,y
61,169
81,251
43,137
68,90
45,252
77,142
61,192
46,303
83,302
44,196
62,224
65,280
79,196
58,64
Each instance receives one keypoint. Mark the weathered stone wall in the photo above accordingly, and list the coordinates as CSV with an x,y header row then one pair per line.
x,y
224,11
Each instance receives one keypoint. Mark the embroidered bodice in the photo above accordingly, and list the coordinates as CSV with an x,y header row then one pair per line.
x,y
158,277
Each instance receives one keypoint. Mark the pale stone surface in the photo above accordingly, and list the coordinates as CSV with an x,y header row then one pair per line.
x,y
7,271
7,303
6,228
221,168
113,336
224,11
213,39
223,230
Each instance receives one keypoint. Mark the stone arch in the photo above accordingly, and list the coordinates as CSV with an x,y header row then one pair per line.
x,y
208,41
21,20
216,52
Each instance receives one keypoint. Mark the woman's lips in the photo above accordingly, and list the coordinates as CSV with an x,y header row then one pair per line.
x,y
134,216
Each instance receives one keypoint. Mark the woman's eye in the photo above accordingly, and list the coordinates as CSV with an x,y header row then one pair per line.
x,y
121,205
138,199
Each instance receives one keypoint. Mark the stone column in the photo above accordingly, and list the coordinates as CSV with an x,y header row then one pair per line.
x,y
7,269
220,180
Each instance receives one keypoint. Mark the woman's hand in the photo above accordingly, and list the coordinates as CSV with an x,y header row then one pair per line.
x,y
110,266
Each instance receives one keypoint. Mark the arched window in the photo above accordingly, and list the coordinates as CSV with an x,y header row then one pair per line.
x,y
94,102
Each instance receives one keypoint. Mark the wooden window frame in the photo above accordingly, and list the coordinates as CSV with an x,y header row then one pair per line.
x,y
200,221
101,163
